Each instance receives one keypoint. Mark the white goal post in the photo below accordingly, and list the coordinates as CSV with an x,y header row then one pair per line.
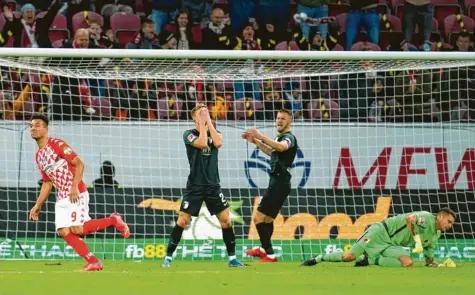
x,y
380,133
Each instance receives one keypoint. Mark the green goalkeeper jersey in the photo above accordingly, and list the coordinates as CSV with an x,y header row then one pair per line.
x,y
425,227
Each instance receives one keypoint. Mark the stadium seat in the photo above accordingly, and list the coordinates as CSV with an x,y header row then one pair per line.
x,y
452,24
444,8
341,21
435,46
336,9
81,19
338,47
471,12
282,46
323,109
124,26
386,38
362,44
58,29
243,108
395,24
396,3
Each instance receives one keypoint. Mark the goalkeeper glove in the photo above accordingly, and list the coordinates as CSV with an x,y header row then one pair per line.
x,y
418,247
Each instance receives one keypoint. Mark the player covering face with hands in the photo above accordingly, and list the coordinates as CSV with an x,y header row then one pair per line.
x,y
62,168
383,243
282,150
202,144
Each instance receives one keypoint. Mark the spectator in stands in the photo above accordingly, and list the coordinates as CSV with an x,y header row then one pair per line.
x,y
29,31
200,10
167,40
110,35
244,11
247,40
71,97
272,102
145,38
109,7
463,42
313,9
184,32
414,90
163,11
107,177
362,14
418,12
293,97
217,34
97,38
270,33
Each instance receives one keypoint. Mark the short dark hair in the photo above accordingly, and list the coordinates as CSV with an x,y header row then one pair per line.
x,y
285,111
147,21
464,34
41,117
447,210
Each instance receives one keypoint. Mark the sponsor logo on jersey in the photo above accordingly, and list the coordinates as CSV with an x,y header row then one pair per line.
x,y
67,150
366,240
54,166
258,160
185,205
191,137
421,220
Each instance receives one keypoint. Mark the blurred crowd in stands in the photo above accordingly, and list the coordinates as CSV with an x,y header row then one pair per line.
x,y
430,95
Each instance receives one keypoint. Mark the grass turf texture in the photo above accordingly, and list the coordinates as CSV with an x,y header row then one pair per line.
x,y
203,277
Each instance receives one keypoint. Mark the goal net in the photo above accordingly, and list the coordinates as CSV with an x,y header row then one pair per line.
x,y
379,134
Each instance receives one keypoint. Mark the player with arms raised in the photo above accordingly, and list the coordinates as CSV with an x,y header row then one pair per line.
x,y
61,167
383,243
282,151
202,144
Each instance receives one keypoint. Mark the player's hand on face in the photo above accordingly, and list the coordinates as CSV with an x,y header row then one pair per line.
x,y
34,212
254,133
204,114
74,194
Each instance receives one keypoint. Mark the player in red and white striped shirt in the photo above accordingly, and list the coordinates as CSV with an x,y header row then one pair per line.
x,y
61,167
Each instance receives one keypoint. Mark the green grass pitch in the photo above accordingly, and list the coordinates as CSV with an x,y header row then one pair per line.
x,y
202,277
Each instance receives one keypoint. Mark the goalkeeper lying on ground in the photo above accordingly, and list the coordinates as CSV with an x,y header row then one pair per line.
x,y
382,243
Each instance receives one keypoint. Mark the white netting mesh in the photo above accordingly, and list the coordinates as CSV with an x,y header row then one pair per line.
x,y
377,134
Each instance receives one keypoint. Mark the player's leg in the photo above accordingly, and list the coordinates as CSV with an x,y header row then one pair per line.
x,y
84,225
370,243
219,206
63,221
393,256
190,206
266,212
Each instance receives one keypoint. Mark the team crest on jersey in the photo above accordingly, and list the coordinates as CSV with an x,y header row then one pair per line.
x,y
67,150
366,240
191,137
421,220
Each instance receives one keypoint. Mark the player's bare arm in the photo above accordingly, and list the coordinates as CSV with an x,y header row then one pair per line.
x,y
279,146
259,144
215,136
45,192
78,165
411,226
202,141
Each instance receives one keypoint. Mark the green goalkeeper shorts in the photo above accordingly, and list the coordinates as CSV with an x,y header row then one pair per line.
x,y
375,241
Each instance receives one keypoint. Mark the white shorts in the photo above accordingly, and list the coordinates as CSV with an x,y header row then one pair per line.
x,y
68,214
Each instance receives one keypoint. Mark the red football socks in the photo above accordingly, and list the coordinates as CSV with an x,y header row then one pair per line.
x,y
80,247
94,225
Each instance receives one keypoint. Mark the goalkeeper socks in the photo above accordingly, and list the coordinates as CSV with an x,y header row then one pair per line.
x,y
175,238
94,225
229,239
264,236
80,247
332,257
386,262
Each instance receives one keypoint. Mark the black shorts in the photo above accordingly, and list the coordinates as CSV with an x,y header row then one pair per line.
x,y
274,197
195,196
